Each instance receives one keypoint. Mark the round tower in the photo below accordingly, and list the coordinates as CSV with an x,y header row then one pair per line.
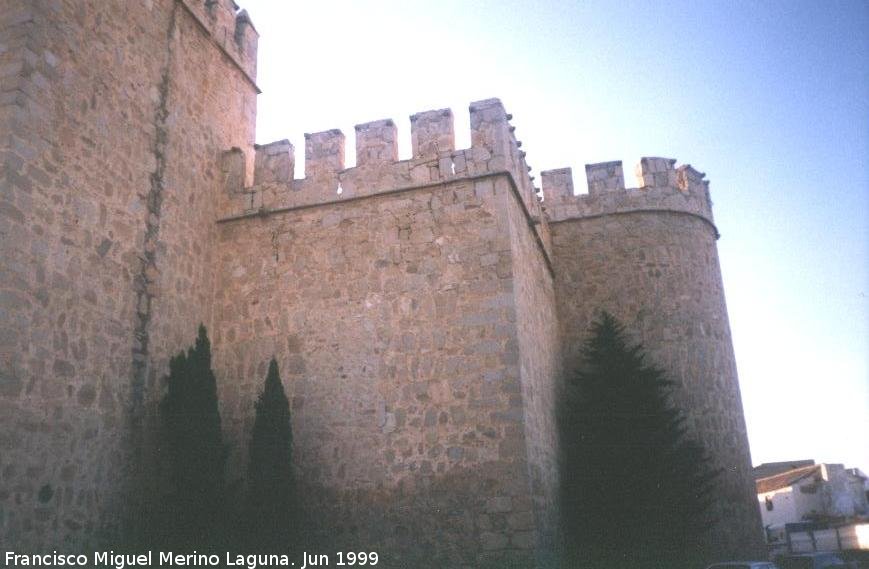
x,y
648,256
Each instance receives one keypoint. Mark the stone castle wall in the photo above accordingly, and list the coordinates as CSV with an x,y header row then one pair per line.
x,y
206,103
422,310
109,142
540,359
71,229
648,256
421,411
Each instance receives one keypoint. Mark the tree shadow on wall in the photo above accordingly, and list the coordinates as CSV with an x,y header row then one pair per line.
x,y
636,490
200,511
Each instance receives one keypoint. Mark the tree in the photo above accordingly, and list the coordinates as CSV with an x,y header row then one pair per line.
x,y
636,490
192,434
270,469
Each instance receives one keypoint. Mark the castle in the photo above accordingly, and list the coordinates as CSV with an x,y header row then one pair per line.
x,y
422,311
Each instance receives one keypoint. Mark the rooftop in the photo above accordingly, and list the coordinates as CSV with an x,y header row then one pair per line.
x,y
772,468
785,479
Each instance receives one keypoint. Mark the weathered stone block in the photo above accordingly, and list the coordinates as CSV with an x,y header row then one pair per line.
x,y
376,143
557,185
493,541
431,133
324,153
656,172
499,504
605,176
274,162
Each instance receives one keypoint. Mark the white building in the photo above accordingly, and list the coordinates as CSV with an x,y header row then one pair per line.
x,y
804,491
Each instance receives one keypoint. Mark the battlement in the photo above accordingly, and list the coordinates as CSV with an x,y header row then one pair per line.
x,y
661,187
494,150
230,28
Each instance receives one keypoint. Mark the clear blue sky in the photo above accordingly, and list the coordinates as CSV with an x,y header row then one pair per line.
x,y
770,99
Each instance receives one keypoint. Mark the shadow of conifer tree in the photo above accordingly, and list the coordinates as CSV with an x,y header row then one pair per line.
x,y
636,489
272,505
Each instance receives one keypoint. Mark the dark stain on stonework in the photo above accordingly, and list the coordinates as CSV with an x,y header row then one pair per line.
x,y
45,493
144,282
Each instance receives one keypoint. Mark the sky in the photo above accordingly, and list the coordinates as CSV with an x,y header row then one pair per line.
x,y
770,99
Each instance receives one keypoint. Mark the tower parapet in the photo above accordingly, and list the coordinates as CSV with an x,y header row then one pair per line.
x,y
494,150
230,28
662,187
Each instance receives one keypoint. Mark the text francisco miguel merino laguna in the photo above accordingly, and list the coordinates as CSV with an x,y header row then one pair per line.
x,y
169,559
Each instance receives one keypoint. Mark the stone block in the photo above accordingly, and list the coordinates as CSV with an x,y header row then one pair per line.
x,y
557,185
376,143
274,162
499,504
432,133
523,540
656,172
605,176
492,541
324,154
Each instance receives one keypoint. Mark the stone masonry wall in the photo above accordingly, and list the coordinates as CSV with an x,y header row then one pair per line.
x,y
392,308
71,232
115,115
207,104
540,368
384,316
648,256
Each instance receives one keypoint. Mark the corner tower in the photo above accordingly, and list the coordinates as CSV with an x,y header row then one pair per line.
x,y
648,256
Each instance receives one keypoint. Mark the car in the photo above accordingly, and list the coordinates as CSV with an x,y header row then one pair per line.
x,y
815,560
743,565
